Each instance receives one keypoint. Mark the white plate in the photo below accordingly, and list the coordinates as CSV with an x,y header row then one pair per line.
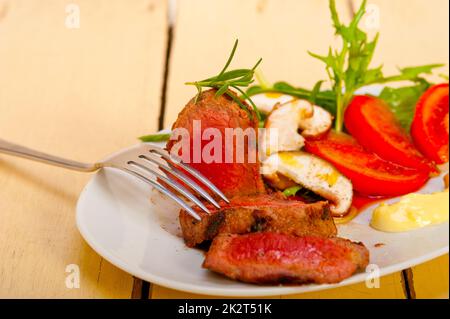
x,y
136,229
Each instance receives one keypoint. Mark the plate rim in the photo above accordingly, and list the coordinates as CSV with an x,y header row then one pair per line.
x,y
252,290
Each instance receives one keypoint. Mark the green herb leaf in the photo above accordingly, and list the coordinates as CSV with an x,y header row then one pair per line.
x,y
315,92
291,191
412,74
255,89
230,79
155,137
403,100
230,58
222,90
349,69
325,99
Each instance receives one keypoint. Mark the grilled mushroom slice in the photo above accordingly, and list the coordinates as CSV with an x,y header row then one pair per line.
x,y
282,125
288,124
312,173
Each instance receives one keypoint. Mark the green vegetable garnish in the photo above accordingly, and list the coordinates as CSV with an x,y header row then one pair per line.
x,y
349,69
325,99
403,100
155,137
230,79
291,191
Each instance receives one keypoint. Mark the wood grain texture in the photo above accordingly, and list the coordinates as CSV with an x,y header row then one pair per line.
x,y
413,32
281,32
389,289
431,279
79,93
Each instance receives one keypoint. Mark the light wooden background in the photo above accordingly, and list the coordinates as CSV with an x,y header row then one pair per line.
x,y
83,93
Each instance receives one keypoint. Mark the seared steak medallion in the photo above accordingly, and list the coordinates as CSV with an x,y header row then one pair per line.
x,y
259,213
279,258
232,177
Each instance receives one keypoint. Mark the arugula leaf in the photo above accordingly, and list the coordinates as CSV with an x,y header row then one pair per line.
x,y
315,91
412,74
403,100
349,68
155,137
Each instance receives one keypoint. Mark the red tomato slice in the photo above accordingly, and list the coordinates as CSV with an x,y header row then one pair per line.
x,y
370,175
372,123
429,128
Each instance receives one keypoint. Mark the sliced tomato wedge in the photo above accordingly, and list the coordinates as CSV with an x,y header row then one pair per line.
x,y
372,123
370,175
429,128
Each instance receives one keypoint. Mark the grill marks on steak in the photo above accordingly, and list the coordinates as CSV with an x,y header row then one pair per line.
x,y
259,213
273,258
220,113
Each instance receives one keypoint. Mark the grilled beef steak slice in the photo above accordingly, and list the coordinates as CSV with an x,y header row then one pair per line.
x,y
279,258
230,174
259,213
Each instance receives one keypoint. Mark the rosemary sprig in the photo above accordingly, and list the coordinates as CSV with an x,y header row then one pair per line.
x,y
158,137
233,79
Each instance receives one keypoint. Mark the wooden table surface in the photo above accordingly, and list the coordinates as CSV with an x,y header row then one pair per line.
x,y
85,90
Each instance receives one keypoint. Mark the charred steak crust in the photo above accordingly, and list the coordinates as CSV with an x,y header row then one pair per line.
x,y
221,113
273,258
260,213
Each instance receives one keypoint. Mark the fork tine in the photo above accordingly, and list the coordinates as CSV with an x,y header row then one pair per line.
x,y
175,185
169,157
203,179
167,167
163,190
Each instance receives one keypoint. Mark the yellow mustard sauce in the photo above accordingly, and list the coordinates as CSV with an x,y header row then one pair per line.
x,y
273,95
288,159
411,212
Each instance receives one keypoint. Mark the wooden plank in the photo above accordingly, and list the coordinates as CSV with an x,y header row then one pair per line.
x,y
431,279
389,289
280,31
81,93
414,34
411,34
160,292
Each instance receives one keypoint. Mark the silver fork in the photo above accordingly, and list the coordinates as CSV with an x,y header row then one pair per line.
x,y
149,163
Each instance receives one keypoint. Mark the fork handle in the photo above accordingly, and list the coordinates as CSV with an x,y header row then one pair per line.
x,y
21,151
